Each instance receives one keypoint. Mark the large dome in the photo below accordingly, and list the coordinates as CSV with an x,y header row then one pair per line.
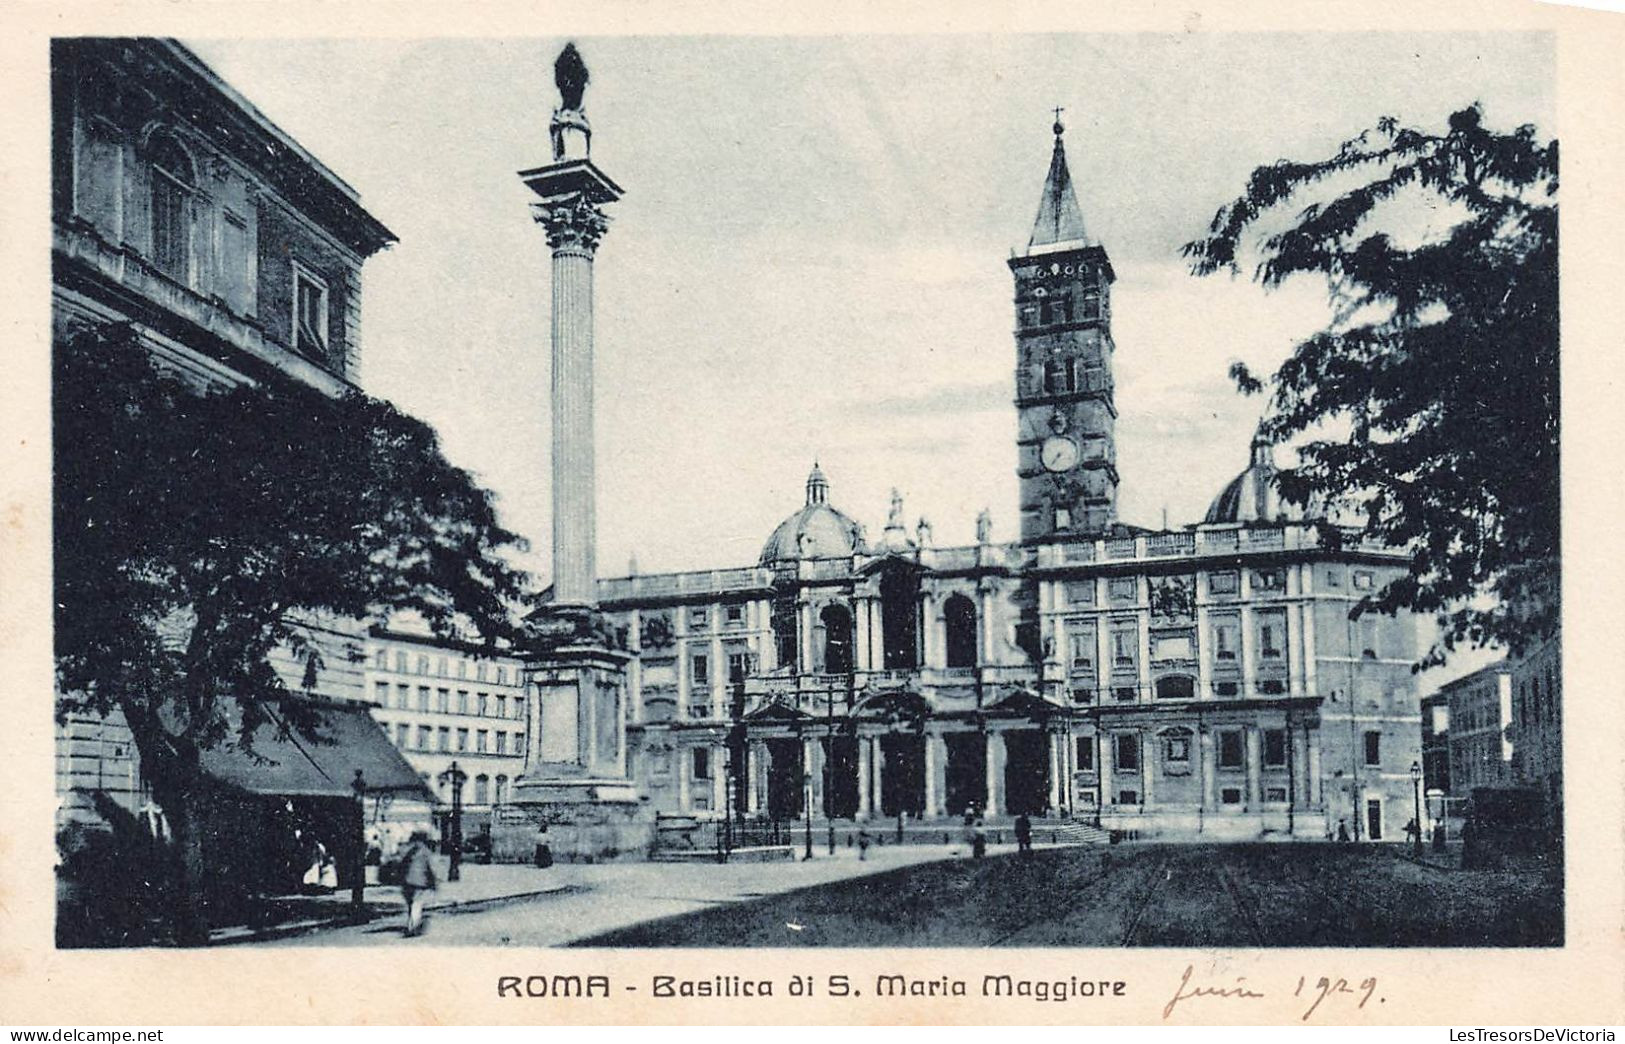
x,y
1252,495
816,531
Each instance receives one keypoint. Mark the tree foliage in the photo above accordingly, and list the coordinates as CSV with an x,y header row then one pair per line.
x,y
1439,371
198,534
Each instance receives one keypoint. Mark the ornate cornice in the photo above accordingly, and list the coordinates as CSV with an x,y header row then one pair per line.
x,y
574,223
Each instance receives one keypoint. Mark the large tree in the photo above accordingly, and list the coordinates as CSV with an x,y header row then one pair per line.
x,y
1429,404
198,532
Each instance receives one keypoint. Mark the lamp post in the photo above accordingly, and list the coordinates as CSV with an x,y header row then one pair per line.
x,y
806,789
455,777
358,868
1416,788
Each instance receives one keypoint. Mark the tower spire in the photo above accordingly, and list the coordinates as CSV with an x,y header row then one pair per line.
x,y
1060,219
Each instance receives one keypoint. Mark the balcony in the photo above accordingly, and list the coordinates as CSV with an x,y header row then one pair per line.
x,y
670,586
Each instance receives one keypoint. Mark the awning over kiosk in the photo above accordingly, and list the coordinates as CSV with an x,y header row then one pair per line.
x,y
284,762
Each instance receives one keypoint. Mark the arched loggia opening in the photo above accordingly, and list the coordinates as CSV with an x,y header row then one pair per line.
x,y
959,618
899,618
837,621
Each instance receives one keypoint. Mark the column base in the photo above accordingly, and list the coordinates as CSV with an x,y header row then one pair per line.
x,y
588,821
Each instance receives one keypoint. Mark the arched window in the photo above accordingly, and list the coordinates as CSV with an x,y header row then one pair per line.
x,y
482,789
959,616
837,620
174,180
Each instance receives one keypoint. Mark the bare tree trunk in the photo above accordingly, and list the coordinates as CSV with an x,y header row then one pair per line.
x,y
177,784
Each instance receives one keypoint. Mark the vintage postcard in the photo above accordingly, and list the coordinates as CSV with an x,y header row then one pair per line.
x,y
1073,515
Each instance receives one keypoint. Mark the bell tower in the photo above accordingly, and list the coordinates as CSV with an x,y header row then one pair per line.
x,y
1066,433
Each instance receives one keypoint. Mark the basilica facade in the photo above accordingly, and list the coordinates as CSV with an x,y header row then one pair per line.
x,y
1200,681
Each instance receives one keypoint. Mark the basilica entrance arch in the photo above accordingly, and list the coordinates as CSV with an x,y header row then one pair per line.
x,y
1026,771
784,779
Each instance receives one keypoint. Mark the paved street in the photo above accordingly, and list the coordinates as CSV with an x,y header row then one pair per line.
x,y
1153,895
590,900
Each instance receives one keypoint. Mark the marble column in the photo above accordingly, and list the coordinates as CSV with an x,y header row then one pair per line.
x,y
573,232
1108,755
877,776
863,777
1254,796
812,766
753,762
996,755
685,769
1055,798
936,775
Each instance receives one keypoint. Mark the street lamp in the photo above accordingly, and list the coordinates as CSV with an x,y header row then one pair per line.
x,y
806,789
1416,788
358,880
455,777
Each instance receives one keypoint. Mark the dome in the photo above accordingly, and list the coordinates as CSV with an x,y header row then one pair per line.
x,y
816,531
1252,496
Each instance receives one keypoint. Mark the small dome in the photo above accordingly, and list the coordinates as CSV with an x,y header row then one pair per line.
x,y
816,531
1252,495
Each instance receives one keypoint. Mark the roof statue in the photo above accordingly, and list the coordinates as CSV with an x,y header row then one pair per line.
x,y
984,526
895,518
570,75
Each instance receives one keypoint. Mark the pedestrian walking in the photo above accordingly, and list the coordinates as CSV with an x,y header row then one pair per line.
x,y
544,851
1342,831
417,877
1024,834
863,843
978,840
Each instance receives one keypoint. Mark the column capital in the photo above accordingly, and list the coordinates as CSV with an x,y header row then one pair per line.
x,y
574,224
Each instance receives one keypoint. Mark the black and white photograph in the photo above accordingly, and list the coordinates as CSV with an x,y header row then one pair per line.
x,y
1068,515
1033,491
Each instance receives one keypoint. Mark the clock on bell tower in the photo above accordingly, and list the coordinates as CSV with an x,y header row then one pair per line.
x,y
1066,451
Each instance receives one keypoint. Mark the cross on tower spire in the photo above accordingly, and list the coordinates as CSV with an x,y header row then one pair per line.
x,y
1058,127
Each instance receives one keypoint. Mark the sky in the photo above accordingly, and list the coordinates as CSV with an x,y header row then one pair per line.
x,y
809,261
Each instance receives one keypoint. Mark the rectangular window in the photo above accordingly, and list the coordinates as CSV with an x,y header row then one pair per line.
x,y
738,666
479,672
1086,753
1274,793
1176,749
1226,640
1058,377
462,739
380,693
1125,693
1080,641
519,707
1127,751
1269,580
735,613
462,668
1271,636
502,675
1275,748
236,262
1373,748
1128,797
1123,588
502,742
1364,580
403,736
1226,583
403,697
309,314
1226,688
380,659
440,666
423,698
1230,795
443,739
699,669
443,701
424,733
1125,646
423,665
171,226
1063,518
1334,577
400,663
484,707
502,705
702,763
482,741
462,701
699,618
1232,754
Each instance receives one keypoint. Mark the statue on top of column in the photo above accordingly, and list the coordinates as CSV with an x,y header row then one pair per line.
x,y
571,76
572,135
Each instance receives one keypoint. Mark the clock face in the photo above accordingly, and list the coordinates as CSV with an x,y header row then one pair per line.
x,y
1059,454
